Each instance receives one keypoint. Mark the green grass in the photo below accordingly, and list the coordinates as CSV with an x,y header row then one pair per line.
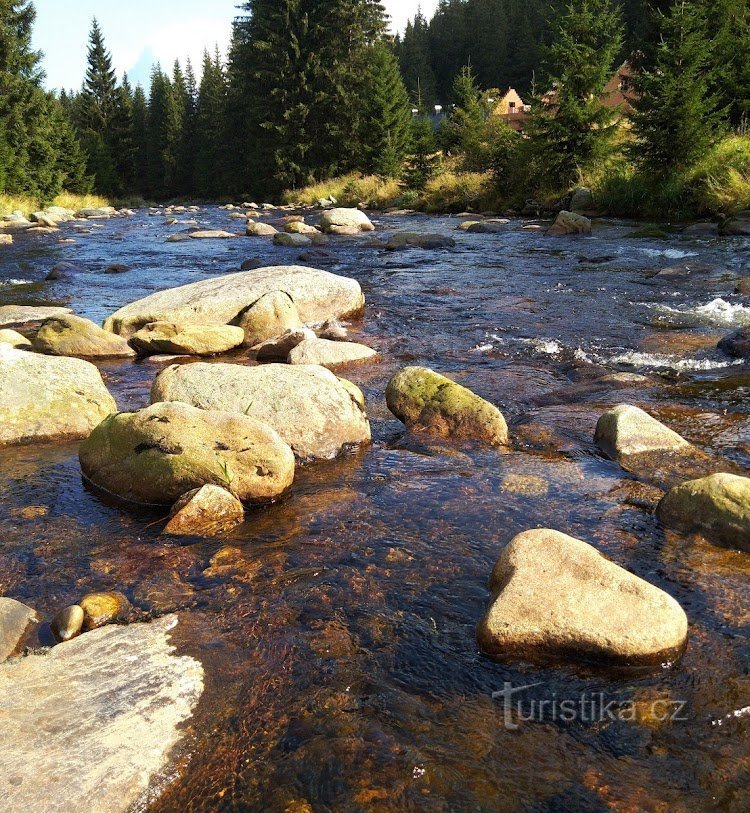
x,y
352,190
27,204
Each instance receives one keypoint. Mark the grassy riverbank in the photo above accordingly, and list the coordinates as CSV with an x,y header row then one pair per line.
x,y
67,200
716,187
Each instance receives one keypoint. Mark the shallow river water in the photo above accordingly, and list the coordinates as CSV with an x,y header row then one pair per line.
x,y
337,633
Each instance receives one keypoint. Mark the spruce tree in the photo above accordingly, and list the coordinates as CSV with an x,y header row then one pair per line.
x,y
729,74
385,133
422,162
676,118
161,120
140,141
210,173
413,52
574,129
462,131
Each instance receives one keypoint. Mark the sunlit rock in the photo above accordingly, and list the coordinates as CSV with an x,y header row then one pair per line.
x,y
168,338
206,511
75,336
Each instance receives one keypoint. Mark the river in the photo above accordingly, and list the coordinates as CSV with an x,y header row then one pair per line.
x,y
337,635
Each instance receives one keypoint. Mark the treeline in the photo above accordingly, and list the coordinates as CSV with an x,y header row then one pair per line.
x,y
504,42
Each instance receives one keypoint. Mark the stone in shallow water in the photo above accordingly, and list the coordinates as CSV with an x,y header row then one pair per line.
x,y
71,335
15,619
329,353
346,218
627,430
67,623
737,345
277,349
718,506
207,511
556,597
315,412
28,315
97,719
155,455
568,223
412,240
47,398
421,397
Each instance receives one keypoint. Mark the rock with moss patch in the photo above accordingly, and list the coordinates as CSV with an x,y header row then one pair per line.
x,y
100,609
555,598
718,506
49,398
206,511
271,316
155,455
168,338
421,397
75,336
317,414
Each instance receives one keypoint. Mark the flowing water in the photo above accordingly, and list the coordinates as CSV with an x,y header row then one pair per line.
x,y
337,627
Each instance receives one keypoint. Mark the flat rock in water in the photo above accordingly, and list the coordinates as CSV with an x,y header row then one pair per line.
x,y
557,598
569,223
211,234
89,725
206,511
49,398
737,345
420,397
155,455
293,240
626,431
318,295
168,338
413,240
28,316
329,353
315,412
71,335
717,506
15,619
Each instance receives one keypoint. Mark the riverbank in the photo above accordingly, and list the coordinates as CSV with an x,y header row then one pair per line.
x,y
718,187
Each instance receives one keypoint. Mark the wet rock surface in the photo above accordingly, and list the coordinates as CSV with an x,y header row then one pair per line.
x,y
206,511
15,620
97,717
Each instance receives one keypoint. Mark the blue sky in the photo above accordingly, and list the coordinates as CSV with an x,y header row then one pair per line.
x,y
141,32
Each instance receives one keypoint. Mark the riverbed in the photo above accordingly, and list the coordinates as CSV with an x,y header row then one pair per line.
x,y
337,628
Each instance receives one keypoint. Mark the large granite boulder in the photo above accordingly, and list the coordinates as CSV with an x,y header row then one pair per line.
x,y
96,718
272,315
157,454
49,398
71,335
179,339
318,295
346,218
329,353
260,229
420,397
316,413
718,506
557,598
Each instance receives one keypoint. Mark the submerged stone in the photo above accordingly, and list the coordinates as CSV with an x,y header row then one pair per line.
x,y
555,597
737,344
418,396
425,241
97,718
206,511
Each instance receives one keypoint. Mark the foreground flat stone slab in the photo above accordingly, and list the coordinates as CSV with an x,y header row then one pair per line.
x,y
49,398
315,412
557,598
15,619
718,506
89,725
28,316
420,397
318,295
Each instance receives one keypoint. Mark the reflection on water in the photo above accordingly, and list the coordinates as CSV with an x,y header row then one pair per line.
x,y
337,627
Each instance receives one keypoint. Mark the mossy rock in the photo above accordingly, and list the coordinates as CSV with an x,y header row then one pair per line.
x,y
421,397
649,231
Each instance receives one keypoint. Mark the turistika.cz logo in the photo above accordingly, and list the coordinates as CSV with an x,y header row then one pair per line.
x,y
593,707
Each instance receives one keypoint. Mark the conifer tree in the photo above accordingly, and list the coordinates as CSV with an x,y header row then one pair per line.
x,y
729,74
415,61
386,116
140,141
162,133
574,129
676,118
210,173
465,123
422,162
